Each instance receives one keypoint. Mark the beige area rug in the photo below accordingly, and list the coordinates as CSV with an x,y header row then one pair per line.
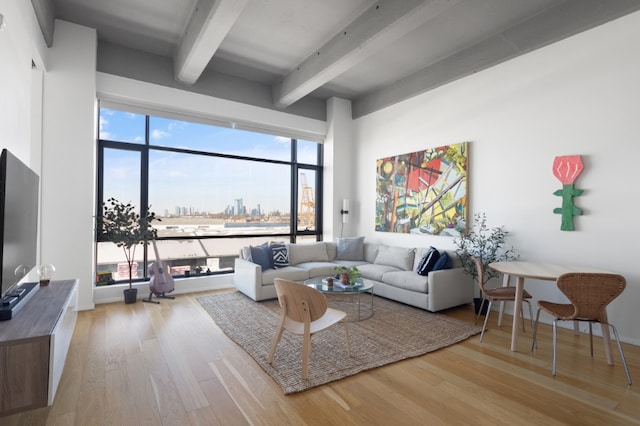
x,y
395,332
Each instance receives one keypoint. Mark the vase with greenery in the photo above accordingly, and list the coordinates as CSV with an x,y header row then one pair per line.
x,y
487,244
123,225
348,275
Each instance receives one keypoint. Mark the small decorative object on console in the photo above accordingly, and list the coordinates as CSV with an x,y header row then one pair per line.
x,y
46,273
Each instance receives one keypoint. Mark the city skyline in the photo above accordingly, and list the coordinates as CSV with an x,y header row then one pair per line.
x,y
201,181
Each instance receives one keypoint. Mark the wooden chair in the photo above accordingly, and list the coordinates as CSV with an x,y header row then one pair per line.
x,y
500,294
304,312
589,294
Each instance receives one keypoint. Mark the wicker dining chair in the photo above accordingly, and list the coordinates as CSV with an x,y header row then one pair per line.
x,y
304,312
499,294
589,294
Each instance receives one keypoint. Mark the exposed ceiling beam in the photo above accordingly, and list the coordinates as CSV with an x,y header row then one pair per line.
x,y
208,26
45,13
553,24
383,23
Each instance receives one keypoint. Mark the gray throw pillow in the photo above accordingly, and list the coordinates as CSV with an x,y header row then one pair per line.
x,y
398,257
350,248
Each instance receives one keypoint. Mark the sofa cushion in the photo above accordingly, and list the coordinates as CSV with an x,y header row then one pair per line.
x,y
312,252
290,273
280,254
370,252
444,262
350,248
318,269
407,280
428,261
262,256
245,253
375,272
400,257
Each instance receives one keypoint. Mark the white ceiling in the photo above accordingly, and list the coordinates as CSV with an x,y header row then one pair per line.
x,y
372,52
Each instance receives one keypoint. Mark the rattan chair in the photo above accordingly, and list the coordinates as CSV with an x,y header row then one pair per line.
x,y
589,294
499,294
304,312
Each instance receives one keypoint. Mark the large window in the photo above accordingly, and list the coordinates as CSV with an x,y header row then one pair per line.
x,y
215,189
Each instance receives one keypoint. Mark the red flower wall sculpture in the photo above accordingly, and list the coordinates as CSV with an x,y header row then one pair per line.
x,y
567,169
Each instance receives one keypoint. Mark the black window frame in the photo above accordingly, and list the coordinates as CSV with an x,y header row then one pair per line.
x,y
145,148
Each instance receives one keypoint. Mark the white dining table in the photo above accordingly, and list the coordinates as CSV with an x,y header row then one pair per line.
x,y
544,272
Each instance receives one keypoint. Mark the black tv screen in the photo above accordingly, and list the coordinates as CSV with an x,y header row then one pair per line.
x,y
19,195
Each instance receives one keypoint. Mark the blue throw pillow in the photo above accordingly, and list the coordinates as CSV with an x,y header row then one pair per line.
x,y
262,255
443,262
428,261
280,254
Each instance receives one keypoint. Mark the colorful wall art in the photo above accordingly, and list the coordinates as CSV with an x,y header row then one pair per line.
x,y
423,192
567,169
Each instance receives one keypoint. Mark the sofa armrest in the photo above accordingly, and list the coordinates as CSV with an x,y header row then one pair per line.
x,y
449,288
248,278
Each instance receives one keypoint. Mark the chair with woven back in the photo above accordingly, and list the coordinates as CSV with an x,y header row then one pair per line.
x,y
498,294
588,294
304,312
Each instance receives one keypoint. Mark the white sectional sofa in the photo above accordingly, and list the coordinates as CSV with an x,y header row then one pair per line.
x,y
392,270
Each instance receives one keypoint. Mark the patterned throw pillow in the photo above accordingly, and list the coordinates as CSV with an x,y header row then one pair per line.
x,y
428,261
280,254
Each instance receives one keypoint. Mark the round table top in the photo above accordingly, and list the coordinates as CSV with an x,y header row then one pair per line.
x,y
320,284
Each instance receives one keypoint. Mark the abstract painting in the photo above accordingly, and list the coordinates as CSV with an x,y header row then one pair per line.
x,y
423,192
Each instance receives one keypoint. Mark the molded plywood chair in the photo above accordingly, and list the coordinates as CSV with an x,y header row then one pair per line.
x,y
500,294
589,294
304,312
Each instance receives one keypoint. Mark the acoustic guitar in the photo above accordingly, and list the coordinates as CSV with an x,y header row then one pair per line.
x,y
161,280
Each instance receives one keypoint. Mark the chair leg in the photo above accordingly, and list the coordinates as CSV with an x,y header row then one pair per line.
x,y
480,310
306,349
555,336
486,318
534,342
276,340
624,361
530,313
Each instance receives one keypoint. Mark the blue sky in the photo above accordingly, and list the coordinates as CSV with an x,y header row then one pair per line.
x,y
200,182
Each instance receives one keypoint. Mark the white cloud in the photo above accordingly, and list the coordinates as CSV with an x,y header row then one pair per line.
x,y
159,134
282,139
138,139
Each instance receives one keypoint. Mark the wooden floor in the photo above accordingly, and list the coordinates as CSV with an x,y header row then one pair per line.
x,y
169,364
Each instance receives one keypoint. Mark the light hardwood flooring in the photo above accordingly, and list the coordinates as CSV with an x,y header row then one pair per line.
x,y
169,364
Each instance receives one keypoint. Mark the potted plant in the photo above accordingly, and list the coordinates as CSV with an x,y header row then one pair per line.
x,y
348,275
489,245
122,225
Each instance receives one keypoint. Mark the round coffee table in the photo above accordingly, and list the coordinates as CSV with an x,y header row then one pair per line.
x,y
352,303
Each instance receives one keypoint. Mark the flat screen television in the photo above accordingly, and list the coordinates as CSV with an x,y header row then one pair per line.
x,y
19,196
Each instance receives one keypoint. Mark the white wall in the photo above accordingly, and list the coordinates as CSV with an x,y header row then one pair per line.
x,y
18,41
68,157
576,97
